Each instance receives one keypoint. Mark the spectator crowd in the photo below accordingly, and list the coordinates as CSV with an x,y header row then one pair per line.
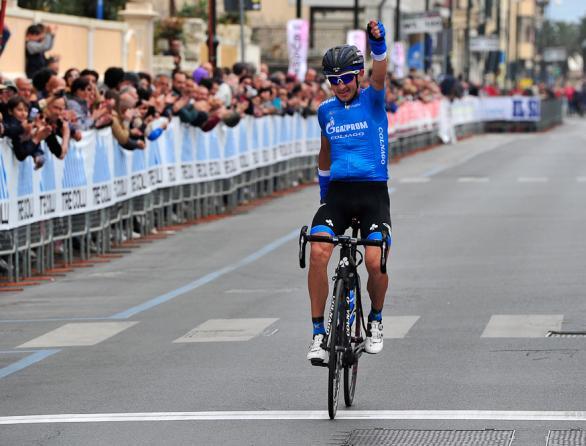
x,y
45,106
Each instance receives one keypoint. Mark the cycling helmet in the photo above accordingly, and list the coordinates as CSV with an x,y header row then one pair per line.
x,y
342,58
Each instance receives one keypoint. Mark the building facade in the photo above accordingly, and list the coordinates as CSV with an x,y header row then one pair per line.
x,y
511,25
79,42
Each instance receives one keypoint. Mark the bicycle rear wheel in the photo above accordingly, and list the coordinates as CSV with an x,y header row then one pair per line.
x,y
335,338
351,371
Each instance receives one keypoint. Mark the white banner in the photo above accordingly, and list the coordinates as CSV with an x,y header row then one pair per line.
x,y
297,44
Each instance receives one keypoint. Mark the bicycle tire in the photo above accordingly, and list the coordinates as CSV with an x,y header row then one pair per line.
x,y
351,372
335,357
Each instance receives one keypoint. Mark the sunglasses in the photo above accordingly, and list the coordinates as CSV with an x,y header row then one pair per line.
x,y
344,78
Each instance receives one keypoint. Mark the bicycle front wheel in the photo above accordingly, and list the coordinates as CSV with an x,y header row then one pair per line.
x,y
335,338
351,371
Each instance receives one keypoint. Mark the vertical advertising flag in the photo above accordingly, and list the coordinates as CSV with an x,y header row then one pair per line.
x,y
398,59
357,37
297,43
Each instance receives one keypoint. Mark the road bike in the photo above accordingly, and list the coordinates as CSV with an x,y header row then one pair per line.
x,y
344,347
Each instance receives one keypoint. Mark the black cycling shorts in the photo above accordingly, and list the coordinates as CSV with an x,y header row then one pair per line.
x,y
368,201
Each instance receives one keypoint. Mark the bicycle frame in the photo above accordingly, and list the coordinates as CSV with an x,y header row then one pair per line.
x,y
347,272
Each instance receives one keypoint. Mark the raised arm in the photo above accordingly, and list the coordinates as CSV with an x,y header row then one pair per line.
x,y
40,47
376,37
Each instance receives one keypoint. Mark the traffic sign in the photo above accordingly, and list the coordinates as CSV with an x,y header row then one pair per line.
x,y
484,44
555,54
422,22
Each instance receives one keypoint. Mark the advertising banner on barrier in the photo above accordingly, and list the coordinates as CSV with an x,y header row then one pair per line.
x,y
413,117
97,172
511,108
49,204
466,110
102,178
4,190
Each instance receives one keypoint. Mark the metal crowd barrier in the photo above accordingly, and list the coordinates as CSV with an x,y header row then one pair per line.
x,y
39,247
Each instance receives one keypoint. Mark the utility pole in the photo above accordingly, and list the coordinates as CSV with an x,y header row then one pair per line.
x,y
467,41
426,46
355,14
498,33
242,44
397,20
449,36
498,18
212,32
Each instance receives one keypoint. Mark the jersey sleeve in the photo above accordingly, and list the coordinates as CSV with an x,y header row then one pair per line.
x,y
321,119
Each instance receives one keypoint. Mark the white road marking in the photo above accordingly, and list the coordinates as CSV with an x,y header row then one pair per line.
x,y
473,180
415,180
532,179
397,327
108,274
78,334
227,330
494,415
522,325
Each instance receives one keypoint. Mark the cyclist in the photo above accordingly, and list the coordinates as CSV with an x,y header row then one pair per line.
x,y
352,172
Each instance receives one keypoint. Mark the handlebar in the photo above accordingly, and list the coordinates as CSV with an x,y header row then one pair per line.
x,y
344,240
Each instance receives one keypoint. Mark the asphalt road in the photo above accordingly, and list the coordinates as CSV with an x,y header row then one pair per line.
x,y
488,258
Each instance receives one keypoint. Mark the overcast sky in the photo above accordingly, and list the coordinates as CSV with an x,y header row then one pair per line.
x,y
567,10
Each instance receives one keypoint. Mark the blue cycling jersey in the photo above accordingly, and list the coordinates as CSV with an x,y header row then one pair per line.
x,y
358,136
